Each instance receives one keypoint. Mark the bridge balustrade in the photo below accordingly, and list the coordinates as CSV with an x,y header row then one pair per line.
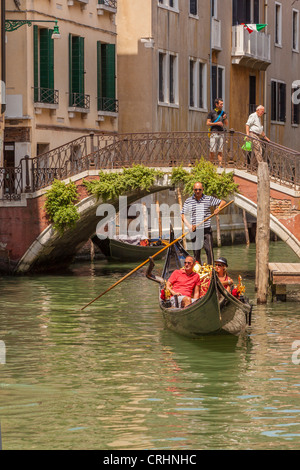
x,y
166,149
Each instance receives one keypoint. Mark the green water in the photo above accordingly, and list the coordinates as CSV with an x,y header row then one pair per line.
x,y
112,377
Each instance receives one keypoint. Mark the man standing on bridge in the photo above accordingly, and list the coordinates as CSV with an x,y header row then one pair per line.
x,y
217,120
255,130
198,208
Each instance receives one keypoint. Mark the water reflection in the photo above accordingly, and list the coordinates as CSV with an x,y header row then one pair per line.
x,y
112,376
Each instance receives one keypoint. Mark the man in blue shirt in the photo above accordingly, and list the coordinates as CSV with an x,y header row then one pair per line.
x,y
217,120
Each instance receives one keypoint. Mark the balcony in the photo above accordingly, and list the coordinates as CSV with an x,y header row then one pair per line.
x,y
70,3
107,5
45,96
250,49
79,103
107,105
216,35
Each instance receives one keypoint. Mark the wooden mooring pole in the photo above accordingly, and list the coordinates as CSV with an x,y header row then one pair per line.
x,y
262,232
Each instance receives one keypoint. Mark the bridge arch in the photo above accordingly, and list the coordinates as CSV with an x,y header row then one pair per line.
x,y
52,250
275,225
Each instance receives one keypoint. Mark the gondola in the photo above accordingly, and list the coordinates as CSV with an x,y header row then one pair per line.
x,y
121,250
217,312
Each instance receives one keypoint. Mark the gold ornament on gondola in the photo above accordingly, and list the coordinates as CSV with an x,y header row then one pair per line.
x,y
240,287
204,270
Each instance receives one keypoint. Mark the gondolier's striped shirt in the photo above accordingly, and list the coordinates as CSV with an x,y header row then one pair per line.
x,y
196,211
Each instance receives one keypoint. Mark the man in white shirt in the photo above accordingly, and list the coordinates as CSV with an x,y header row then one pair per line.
x,y
255,130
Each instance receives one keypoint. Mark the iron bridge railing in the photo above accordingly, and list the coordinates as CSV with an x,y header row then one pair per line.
x,y
170,149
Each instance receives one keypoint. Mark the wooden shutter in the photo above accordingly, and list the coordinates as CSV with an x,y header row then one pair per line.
x,y
109,71
70,71
35,61
46,59
77,67
99,76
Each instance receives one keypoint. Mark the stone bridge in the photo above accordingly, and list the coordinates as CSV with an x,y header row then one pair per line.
x,y
29,243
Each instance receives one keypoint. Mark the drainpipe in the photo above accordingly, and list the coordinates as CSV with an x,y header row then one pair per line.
x,y
3,57
210,55
265,77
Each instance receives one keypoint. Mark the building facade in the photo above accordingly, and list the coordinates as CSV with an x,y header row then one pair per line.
x,y
58,86
176,56
146,66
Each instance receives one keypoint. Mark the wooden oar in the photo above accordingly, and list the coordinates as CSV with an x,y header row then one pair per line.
x,y
153,256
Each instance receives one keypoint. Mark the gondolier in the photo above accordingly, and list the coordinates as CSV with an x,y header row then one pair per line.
x,y
195,209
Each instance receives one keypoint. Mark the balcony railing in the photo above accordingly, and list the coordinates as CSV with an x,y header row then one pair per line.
x,y
108,105
109,5
113,151
250,49
79,100
45,95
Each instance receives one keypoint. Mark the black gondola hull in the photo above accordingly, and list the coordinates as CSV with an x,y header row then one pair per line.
x,y
218,312
121,251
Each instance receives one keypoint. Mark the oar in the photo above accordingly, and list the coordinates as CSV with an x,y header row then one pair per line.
x,y
153,256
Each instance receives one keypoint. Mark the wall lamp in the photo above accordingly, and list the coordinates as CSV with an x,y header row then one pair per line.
x,y
13,25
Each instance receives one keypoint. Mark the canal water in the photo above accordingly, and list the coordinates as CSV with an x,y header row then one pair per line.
x,y
112,377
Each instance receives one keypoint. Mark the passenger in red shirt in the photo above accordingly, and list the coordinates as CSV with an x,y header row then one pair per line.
x,y
185,283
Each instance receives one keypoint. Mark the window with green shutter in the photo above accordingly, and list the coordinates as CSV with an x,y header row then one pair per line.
x,y
106,77
76,73
43,53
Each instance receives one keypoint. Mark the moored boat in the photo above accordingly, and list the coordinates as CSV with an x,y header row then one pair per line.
x,y
217,312
127,250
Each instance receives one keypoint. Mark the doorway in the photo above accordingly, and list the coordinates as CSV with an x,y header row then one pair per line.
x,y
9,164
252,94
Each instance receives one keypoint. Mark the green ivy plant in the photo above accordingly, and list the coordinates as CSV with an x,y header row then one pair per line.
x,y
214,184
61,198
112,185
59,206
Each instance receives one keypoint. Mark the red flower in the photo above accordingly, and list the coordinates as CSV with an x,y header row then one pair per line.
x,y
162,294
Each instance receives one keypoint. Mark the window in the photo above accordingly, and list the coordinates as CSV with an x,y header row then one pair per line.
x,y
168,78
77,98
218,83
198,84
245,11
43,57
172,78
162,58
278,101
194,7
295,109
214,11
106,77
278,24
169,3
295,31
